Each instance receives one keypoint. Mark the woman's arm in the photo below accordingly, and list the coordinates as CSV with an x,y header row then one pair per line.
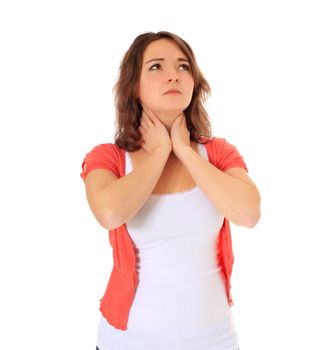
x,y
120,199
232,192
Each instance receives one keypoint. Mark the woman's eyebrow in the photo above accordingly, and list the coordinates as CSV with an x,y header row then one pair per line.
x,y
180,59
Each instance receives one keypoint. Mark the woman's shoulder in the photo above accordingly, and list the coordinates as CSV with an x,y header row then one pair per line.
x,y
210,139
109,146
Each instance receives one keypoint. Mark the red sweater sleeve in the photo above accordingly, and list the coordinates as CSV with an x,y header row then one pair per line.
x,y
101,156
229,156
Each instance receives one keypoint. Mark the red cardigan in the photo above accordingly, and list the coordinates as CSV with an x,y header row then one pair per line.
x,y
118,297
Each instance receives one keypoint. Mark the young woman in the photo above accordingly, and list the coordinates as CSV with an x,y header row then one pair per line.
x,y
166,191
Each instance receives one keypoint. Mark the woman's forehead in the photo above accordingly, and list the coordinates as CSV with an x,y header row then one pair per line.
x,y
161,49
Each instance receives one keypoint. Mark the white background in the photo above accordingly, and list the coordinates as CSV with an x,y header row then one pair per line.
x,y
59,62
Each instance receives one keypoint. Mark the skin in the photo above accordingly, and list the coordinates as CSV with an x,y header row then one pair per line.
x,y
232,191
156,78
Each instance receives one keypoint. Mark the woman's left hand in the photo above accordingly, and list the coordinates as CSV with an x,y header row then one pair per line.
x,y
180,135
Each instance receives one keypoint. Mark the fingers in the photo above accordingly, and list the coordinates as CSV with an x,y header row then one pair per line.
x,y
145,121
148,121
150,115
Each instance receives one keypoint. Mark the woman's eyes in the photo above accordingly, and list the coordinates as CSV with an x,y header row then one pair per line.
x,y
181,65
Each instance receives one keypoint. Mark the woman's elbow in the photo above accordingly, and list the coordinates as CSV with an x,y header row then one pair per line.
x,y
255,218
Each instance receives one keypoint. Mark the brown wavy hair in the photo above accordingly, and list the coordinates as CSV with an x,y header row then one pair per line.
x,y
129,109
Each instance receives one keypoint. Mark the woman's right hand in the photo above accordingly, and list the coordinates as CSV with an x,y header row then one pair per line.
x,y
154,133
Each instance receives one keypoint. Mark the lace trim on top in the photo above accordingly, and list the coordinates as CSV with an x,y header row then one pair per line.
x,y
175,193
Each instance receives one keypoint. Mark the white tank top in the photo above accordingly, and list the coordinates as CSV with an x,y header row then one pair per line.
x,y
180,302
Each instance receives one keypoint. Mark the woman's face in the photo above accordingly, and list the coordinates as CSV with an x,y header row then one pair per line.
x,y
168,69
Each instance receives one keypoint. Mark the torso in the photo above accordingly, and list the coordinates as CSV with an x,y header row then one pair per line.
x,y
174,178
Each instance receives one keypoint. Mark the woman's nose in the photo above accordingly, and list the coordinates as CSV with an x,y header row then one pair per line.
x,y
176,79
173,76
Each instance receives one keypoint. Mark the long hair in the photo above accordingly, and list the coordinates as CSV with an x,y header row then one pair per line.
x,y
128,107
